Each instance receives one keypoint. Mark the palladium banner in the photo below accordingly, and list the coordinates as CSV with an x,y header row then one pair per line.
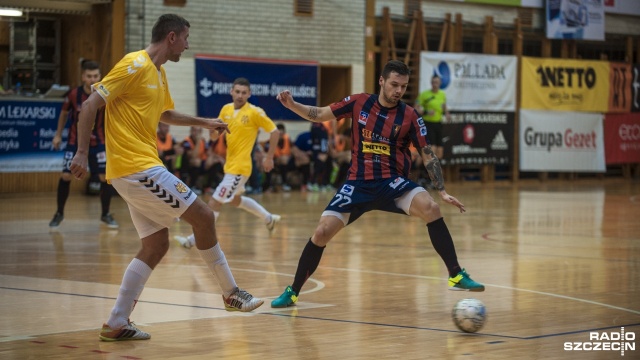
x,y
472,82
215,75
561,141
569,85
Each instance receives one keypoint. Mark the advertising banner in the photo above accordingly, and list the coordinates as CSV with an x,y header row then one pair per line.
x,y
215,75
569,85
575,19
635,88
561,141
622,138
620,87
478,138
26,133
472,81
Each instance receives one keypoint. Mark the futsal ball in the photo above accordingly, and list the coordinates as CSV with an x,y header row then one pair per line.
x,y
469,315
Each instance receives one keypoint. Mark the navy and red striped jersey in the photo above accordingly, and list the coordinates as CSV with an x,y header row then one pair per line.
x,y
72,104
380,136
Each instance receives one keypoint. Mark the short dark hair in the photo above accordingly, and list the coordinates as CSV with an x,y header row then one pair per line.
x,y
89,65
242,81
395,66
435,76
167,23
280,126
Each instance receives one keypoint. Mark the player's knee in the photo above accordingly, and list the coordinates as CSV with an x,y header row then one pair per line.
x,y
432,211
66,176
322,236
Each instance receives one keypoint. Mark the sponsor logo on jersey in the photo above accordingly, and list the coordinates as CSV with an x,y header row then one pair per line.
x,y
375,148
362,119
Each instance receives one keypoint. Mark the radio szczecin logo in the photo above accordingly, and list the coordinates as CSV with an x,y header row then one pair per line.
x,y
605,341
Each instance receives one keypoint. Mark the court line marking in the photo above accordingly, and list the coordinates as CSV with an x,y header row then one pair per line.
x,y
454,331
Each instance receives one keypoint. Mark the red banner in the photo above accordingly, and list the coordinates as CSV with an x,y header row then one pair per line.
x,y
622,138
620,79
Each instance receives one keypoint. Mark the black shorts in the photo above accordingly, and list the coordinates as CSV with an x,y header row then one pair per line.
x,y
97,159
360,196
434,133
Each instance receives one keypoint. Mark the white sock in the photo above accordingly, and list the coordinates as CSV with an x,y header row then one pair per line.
x,y
133,281
217,263
252,206
216,214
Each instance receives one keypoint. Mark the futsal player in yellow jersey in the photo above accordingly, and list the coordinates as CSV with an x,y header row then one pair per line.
x,y
136,95
244,120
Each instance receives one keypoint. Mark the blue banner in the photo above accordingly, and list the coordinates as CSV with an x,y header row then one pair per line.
x,y
215,76
27,128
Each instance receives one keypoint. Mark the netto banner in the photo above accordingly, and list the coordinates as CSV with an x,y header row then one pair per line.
x,y
567,85
478,138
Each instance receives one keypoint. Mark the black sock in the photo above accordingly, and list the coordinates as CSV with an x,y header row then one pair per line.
x,y
63,194
308,263
443,243
105,197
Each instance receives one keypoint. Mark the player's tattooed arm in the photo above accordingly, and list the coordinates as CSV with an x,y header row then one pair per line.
x,y
433,168
313,113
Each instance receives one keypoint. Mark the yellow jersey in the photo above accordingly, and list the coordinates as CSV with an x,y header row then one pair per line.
x,y
244,124
137,94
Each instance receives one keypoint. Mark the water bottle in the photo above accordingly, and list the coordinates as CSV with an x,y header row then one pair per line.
x,y
18,88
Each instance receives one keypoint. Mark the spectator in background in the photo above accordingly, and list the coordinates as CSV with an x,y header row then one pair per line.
x,y
320,158
341,153
301,157
282,159
97,157
216,155
169,151
195,154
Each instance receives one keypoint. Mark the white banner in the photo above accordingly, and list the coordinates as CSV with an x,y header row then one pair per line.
x,y
561,141
472,82
575,19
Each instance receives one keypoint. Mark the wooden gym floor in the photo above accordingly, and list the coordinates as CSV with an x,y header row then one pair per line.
x,y
560,260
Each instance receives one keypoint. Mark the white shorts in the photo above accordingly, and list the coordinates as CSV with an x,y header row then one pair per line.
x,y
155,197
230,186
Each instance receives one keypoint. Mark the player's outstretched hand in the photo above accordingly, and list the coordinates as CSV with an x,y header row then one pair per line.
x,y
285,98
216,124
452,200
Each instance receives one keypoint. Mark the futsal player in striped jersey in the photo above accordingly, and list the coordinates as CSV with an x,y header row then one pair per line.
x,y
378,179
137,98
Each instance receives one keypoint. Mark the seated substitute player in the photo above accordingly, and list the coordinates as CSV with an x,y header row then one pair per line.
x,y
378,179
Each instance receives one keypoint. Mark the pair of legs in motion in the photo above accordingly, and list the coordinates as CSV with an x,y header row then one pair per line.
x,y
169,198
230,191
358,197
97,165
